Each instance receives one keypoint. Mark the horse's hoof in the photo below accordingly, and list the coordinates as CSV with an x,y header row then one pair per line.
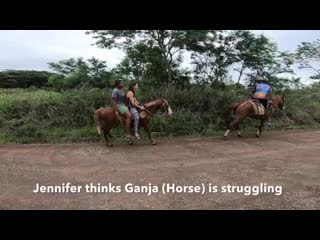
x,y
240,136
110,145
153,143
130,142
257,135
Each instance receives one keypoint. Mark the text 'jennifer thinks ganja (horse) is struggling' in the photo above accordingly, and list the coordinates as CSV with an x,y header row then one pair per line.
x,y
165,188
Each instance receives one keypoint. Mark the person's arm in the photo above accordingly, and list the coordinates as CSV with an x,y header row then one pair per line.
x,y
114,100
141,107
131,99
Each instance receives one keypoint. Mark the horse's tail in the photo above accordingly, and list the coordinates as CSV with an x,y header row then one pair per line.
x,y
97,120
226,114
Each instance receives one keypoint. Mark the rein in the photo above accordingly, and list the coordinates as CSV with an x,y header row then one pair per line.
x,y
150,104
150,113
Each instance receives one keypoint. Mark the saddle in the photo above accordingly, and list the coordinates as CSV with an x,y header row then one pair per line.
x,y
259,109
142,114
145,114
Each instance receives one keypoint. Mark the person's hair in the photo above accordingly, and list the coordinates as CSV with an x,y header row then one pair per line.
x,y
117,82
132,86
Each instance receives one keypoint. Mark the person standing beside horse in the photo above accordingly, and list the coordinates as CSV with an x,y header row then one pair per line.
x,y
133,105
119,103
262,91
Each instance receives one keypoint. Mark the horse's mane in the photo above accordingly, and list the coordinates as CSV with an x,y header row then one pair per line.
x,y
152,102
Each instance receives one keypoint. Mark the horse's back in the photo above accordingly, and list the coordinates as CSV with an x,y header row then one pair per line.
x,y
106,113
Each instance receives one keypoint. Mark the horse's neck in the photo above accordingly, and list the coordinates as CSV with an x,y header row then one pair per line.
x,y
276,102
155,107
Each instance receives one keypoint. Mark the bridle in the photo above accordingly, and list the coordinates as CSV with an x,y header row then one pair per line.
x,y
163,106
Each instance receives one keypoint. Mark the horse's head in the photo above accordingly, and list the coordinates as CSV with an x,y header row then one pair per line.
x,y
162,105
165,107
278,102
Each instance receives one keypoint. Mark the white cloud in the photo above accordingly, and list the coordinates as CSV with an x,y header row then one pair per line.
x,y
34,49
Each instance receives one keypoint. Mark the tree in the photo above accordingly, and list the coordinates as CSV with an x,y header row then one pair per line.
x,y
252,52
97,69
213,59
171,43
78,72
260,56
69,66
308,57
23,79
144,63
57,81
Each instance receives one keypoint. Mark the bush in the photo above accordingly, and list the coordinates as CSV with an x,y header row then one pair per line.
x,y
29,115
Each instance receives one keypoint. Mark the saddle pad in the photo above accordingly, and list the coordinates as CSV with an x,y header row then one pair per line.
x,y
258,108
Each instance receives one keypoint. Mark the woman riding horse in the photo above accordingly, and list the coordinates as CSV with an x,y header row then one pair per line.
x,y
133,105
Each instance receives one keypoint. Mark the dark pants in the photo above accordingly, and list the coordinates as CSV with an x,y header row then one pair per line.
x,y
264,102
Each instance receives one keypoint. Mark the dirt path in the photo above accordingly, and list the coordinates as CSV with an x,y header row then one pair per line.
x,y
287,159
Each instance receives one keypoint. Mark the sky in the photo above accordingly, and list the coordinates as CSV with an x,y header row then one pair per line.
x,y
33,49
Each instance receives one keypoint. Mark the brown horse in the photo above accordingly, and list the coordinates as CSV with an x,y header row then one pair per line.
x,y
106,119
246,109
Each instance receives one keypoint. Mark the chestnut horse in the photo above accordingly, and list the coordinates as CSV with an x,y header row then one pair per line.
x,y
246,109
106,119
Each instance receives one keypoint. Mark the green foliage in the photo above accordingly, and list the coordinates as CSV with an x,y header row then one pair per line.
x,y
77,73
23,79
168,44
143,63
302,106
29,115
57,81
198,96
308,57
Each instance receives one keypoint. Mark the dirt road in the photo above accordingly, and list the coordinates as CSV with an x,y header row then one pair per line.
x,y
287,159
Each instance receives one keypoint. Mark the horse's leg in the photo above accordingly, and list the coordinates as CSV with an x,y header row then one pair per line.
x,y
106,132
259,131
230,127
235,125
147,129
105,135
